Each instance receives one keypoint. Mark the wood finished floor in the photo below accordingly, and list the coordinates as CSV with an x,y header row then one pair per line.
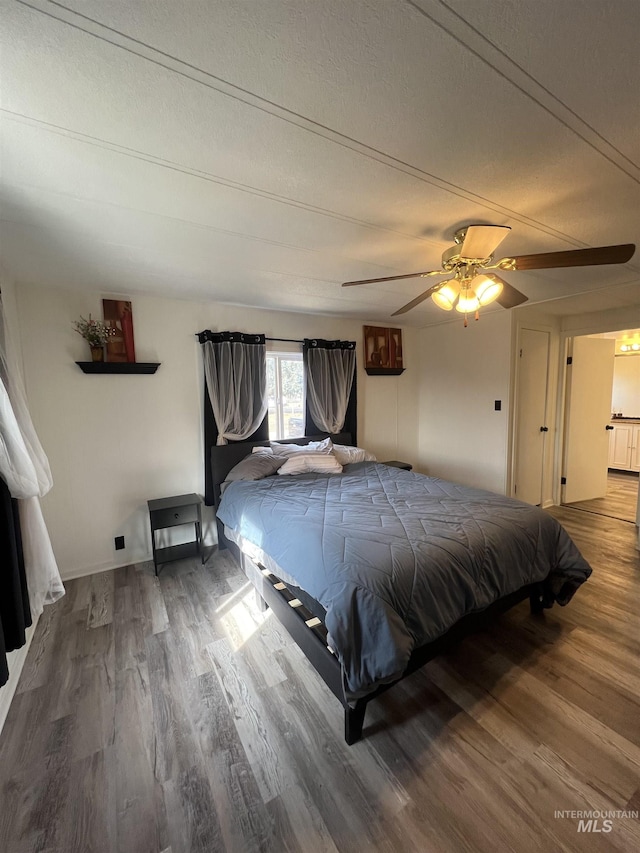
x,y
170,715
621,500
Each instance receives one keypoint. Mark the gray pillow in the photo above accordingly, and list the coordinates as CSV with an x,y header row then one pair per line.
x,y
255,467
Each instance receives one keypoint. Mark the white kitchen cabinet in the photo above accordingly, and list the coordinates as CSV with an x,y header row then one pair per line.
x,y
624,447
635,448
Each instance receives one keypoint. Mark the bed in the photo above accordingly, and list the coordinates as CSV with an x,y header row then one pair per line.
x,y
376,570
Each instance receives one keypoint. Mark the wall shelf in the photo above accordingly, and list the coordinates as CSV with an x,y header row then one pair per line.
x,y
118,366
384,371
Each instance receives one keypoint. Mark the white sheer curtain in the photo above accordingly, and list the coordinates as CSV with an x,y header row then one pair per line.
x,y
235,368
25,469
329,371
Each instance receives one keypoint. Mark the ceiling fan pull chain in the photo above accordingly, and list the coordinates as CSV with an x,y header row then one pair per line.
x,y
477,315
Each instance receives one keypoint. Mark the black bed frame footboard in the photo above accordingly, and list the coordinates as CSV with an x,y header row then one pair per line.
x,y
310,634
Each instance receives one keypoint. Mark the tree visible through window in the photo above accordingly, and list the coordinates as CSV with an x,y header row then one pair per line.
x,y
285,389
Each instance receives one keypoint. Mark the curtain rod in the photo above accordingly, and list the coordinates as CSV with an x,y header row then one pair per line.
x,y
282,340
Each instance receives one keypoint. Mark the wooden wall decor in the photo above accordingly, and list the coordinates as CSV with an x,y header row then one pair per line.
x,y
118,315
382,351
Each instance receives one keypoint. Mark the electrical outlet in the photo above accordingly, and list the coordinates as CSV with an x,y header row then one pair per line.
x,y
119,540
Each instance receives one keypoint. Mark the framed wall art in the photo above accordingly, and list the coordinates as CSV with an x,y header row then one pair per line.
x,y
382,351
119,317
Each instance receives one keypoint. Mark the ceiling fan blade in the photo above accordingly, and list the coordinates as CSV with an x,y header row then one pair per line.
x,y
510,297
481,241
576,258
427,293
395,277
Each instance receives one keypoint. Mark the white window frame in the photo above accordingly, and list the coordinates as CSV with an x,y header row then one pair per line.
x,y
280,356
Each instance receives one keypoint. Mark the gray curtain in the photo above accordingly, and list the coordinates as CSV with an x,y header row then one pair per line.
x,y
329,376
212,430
235,369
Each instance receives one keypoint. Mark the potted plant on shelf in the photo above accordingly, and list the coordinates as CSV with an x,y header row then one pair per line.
x,y
95,333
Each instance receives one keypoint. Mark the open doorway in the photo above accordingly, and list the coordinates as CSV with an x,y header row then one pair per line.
x,y
602,473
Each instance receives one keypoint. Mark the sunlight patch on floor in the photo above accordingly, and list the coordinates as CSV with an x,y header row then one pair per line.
x,y
241,617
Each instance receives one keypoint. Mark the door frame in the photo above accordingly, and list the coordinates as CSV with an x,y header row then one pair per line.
x,y
593,323
560,348
566,341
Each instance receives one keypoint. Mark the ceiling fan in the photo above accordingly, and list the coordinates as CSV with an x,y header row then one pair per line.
x,y
469,286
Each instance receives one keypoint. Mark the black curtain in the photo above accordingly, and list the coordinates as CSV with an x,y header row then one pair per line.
x,y
351,417
15,613
210,426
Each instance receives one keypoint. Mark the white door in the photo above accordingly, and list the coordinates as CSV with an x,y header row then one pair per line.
x,y
588,413
531,430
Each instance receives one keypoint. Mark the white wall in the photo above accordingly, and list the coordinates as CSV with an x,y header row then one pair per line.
x,y
115,441
464,370
601,321
626,385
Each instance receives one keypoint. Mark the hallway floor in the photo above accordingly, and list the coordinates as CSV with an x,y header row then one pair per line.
x,y
621,500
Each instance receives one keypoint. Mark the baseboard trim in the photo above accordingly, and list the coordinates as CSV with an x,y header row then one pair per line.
x,y
97,570
16,661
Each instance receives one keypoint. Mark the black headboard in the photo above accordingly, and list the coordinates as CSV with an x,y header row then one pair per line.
x,y
225,456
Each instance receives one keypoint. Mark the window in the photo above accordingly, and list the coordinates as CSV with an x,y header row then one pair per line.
x,y
285,390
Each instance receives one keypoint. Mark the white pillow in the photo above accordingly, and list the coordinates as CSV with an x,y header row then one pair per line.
x,y
324,446
346,454
318,463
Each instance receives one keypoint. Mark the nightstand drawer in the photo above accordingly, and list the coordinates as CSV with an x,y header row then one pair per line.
x,y
395,463
175,515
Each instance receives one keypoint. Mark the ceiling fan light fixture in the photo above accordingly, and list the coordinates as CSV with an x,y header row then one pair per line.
x,y
473,253
487,288
468,302
446,295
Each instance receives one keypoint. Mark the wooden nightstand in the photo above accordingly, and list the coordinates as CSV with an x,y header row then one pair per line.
x,y
394,463
170,512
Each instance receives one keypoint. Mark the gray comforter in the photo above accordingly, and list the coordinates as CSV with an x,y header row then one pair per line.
x,y
396,558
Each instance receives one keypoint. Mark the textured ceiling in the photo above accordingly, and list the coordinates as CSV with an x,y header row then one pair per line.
x,y
260,152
